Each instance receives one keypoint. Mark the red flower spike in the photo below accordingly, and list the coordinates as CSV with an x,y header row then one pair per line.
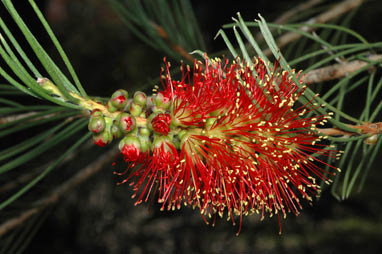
x,y
243,148
161,123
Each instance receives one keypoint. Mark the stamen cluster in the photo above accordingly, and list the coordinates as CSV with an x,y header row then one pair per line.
x,y
226,138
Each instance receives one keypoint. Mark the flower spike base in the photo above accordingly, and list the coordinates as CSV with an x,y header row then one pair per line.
x,y
226,138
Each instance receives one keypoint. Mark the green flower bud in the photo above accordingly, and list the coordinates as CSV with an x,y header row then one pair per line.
x,y
135,109
49,87
119,99
110,107
126,122
161,101
149,119
145,132
158,110
159,140
97,124
140,98
145,143
102,139
116,131
96,112
129,140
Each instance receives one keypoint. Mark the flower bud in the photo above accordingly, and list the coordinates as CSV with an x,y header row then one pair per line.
x,y
110,107
126,122
102,139
158,110
372,140
160,100
130,147
140,98
96,112
159,141
145,143
145,132
135,109
149,119
97,124
116,131
161,123
119,99
49,86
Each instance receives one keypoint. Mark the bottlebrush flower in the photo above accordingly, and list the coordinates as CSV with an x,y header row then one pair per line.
x,y
237,143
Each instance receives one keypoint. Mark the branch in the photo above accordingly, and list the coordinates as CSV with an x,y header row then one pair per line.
x,y
60,191
336,71
367,128
298,9
332,13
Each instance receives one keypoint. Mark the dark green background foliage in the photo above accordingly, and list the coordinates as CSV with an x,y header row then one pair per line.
x,y
100,217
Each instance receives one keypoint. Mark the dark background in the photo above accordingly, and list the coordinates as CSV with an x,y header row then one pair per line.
x,y
100,217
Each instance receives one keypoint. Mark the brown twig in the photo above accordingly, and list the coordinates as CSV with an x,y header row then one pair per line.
x,y
337,70
11,118
298,9
332,13
60,191
366,128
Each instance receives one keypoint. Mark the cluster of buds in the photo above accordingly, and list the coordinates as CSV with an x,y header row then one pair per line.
x,y
118,120
140,123
225,138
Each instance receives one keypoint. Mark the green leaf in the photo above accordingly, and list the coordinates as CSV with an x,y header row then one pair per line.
x,y
58,138
160,28
59,48
37,179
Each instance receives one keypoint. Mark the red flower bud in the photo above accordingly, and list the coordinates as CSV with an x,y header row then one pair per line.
x,y
119,99
97,124
102,139
161,124
130,153
130,147
126,122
